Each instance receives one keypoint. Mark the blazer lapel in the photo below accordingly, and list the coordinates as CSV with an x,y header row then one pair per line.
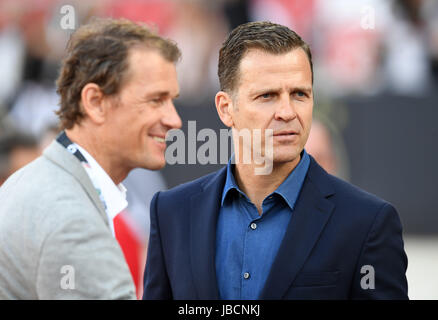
x,y
204,212
309,218
56,153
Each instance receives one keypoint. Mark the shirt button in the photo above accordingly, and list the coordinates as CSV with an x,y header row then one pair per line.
x,y
253,226
246,275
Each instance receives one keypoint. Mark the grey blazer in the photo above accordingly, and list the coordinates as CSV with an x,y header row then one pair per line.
x,y
55,241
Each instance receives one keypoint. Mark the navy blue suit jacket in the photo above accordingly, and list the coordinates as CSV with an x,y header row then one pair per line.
x,y
336,229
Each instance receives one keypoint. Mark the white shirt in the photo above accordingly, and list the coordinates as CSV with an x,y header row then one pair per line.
x,y
113,197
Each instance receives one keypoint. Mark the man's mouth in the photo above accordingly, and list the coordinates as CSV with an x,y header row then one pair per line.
x,y
160,139
285,133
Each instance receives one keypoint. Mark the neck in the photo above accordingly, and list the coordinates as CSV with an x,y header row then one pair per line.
x,y
258,187
97,148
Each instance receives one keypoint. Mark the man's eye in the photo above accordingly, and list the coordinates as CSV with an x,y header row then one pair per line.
x,y
300,94
157,101
266,95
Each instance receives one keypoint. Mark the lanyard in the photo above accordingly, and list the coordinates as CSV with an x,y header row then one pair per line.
x,y
71,147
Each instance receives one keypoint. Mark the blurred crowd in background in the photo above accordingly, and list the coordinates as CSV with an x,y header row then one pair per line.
x,y
360,49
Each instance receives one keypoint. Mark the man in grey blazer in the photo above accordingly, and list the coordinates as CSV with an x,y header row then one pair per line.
x,y
117,85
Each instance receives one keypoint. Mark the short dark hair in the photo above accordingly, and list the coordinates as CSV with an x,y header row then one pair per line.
x,y
97,52
10,141
264,35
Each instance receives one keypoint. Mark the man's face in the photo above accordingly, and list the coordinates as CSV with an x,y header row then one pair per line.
x,y
275,92
143,111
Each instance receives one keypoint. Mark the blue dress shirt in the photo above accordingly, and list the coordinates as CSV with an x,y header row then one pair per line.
x,y
246,243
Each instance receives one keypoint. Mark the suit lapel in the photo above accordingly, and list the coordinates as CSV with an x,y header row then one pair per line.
x,y
56,153
309,218
204,212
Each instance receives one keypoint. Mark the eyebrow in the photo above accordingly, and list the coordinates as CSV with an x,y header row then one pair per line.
x,y
161,94
307,90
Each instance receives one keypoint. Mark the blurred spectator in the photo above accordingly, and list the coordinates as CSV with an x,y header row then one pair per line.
x,y
320,146
408,56
34,95
39,42
326,145
50,133
16,150
430,11
34,108
199,29
11,62
326,139
348,45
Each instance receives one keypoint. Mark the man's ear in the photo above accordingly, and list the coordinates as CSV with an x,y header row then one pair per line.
x,y
224,107
93,103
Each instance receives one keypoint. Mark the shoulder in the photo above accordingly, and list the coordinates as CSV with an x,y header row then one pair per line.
x,y
357,215
41,179
42,195
355,195
346,196
43,206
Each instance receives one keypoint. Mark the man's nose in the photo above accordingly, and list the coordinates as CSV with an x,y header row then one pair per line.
x,y
171,118
285,109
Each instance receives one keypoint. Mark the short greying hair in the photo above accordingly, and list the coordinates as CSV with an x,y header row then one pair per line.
x,y
267,36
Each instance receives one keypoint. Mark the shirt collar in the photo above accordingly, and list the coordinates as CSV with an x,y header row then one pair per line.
x,y
114,196
230,182
289,188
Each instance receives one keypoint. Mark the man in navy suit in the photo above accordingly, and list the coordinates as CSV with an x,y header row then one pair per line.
x,y
290,232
